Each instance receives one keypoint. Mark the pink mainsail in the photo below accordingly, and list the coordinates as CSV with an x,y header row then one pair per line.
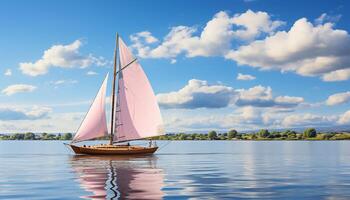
x,y
137,114
94,125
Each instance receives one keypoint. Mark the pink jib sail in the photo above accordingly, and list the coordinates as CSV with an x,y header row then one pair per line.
x,y
138,114
94,124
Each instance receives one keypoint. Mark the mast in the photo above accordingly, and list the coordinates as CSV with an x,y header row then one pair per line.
x,y
113,89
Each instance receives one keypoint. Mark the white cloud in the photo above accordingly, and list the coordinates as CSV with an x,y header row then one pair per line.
x,y
247,118
33,113
18,88
337,75
254,23
197,94
91,73
245,77
307,119
345,118
214,40
146,36
260,96
53,122
8,72
305,49
63,56
193,120
61,82
327,18
248,114
338,98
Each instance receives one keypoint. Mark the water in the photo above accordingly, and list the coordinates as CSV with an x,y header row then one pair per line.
x,y
180,170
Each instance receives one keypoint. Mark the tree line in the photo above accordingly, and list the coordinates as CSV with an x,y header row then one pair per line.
x,y
33,136
263,134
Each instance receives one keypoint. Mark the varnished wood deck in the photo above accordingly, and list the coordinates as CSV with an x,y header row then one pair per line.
x,y
112,150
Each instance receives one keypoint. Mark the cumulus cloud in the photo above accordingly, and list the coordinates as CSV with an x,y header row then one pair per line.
x,y
245,77
338,98
146,36
214,40
260,96
199,94
307,119
8,72
337,75
33,113
305,49
254,24
63,56
18,88
345,118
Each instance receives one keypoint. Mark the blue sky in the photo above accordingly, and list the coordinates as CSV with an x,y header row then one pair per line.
x,y
213,64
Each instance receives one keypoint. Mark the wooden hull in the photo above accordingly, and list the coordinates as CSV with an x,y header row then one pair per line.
x,y
113,150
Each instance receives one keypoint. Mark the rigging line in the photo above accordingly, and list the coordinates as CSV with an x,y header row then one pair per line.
x,y
126,65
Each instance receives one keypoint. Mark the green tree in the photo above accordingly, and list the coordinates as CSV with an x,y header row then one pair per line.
x,y
275,134
17,136
51,137
232,134
310,133
203,136
66,136
264,133
222,137
212,135
44,136
291,134
254,137
29,136
193,136
182,136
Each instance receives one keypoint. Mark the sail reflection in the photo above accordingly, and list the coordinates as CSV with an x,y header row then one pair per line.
x,y
111,177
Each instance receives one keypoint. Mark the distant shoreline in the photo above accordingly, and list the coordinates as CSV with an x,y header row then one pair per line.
x,y
309,134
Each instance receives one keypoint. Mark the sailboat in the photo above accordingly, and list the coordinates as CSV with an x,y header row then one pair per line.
x,y
135,112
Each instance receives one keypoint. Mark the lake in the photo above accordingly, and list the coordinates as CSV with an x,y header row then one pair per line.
x,y
179,170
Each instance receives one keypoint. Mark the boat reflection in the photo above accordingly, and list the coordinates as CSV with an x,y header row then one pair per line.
x,y
111,177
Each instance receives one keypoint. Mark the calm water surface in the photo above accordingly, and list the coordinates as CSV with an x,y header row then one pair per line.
x,y
180,170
